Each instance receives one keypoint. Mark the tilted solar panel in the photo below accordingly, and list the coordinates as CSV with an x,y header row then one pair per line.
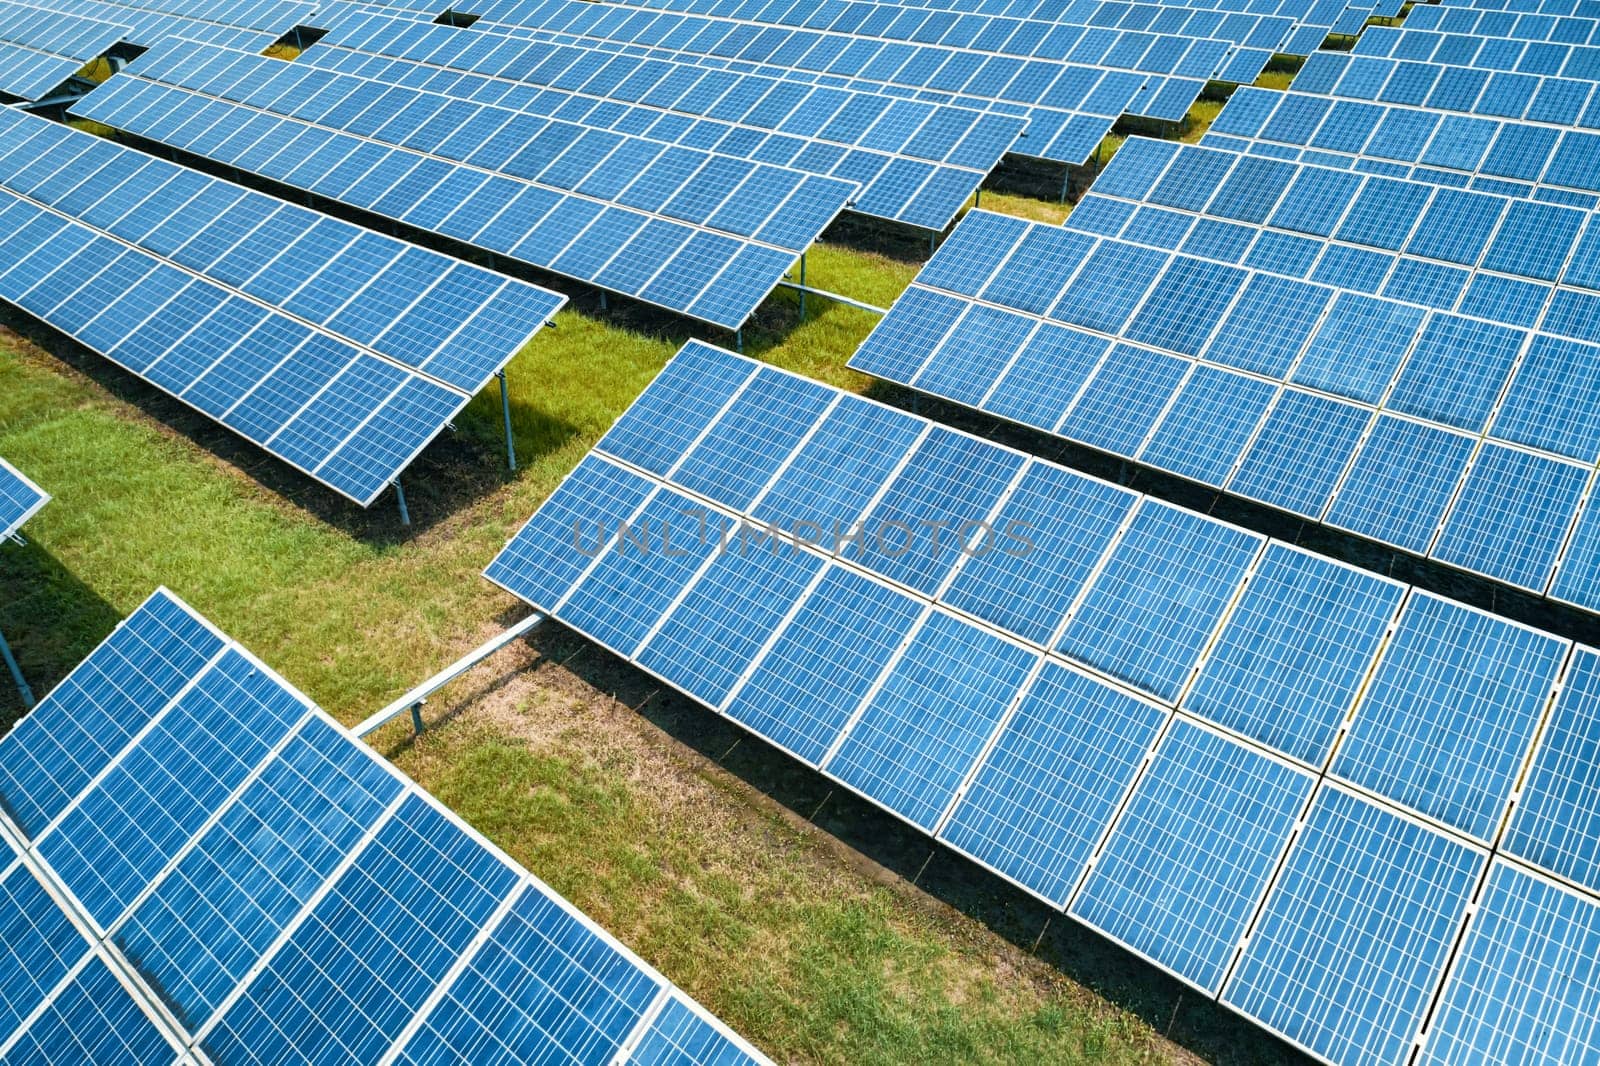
x,y
39,50
248,24
201,860
20,499
685,229
1306,337
338,350
1193,821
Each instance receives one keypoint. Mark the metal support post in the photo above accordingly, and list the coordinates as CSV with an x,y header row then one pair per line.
x,y
505,409
602,299
738,340
802,286
400,497
16,674
414,700
977,197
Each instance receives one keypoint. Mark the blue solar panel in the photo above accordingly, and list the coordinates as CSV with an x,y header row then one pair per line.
x,y
20,499
347,367
1211,818
690,230
282,891
1456,688
41,49
1153,608
1522,975
1047,791
1291,658
1512,516
922,731
1355,933
1556,822
1401,482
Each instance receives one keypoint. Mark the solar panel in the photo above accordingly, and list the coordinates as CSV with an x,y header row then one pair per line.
x,y
1398,363
917,163
249,24
1211,818
39,50
245,902
684,229
1356,933
1293,815
1069,106
340,351
20,499
1526,933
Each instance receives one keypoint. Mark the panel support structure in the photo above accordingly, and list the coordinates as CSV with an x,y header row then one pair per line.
x,y
505,409
400,498
16,674
414,700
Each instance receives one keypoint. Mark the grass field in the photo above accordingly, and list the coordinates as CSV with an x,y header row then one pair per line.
x,y
809,922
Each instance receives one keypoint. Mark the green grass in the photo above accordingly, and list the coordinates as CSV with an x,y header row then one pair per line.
x,y
811,950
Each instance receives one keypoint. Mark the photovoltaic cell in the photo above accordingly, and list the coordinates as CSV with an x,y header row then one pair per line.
x,y
20,499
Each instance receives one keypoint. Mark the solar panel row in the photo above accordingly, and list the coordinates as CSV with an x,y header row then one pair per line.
x,y
1123,707
916,163
1306,373
1560,28
20,499
1554,59
39,50
1115,49
1507,157
204,861
249,24
1467,90
693,232
1069,107
339,351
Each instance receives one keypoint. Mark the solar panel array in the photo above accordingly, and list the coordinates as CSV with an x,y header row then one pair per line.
x,y
916,163
1293,27
198,860
1069,106
20,499
340,351
249,24
1306,337
1281,778
689,230
1566,101
1508,157
39,50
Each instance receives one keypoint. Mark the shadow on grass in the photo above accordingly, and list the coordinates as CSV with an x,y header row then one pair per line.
x,y
889,851
454,471
51,619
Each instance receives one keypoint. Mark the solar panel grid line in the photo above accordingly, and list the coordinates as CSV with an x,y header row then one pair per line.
x,y
404,150
451,975
1456,973
647,1021
90,956
772,639
116,760
290,928
865,703
1053,641
600,556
